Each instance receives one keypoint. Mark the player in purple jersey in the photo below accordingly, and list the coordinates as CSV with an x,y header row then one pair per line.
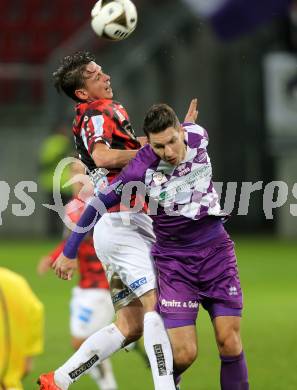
x,y
193,254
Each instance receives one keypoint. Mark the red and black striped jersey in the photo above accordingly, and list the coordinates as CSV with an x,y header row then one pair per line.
x,y
91,272
105,121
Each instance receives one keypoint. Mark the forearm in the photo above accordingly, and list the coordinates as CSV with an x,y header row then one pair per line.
x,y
113,158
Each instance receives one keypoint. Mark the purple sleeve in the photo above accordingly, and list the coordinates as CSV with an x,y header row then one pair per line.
x,y
101,203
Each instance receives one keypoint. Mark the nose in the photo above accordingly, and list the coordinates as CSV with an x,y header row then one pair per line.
x,y
168,152
107,77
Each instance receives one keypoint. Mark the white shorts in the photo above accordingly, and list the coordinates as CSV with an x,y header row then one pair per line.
x,y
90,310
123,243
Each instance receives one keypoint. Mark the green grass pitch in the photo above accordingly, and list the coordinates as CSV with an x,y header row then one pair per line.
x,y
268,270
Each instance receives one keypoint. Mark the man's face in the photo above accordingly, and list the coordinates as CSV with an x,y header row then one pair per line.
x,y
97,84
169,144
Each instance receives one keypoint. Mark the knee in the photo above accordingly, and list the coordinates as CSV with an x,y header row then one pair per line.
x,y
132,330
184,356
229,343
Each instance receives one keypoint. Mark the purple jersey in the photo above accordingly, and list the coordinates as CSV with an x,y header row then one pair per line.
x,y
184,194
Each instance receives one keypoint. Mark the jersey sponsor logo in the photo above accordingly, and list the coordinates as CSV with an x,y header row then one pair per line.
x,y
140,282
172,303
233,291
183,170
84,367
121,295
181,167
185,304
159,178
185,184
158,350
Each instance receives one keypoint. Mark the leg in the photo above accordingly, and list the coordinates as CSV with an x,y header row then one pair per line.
x,y
234,375
92,310
129,247
102,344
224,304
178,305
157,344
227,333
184,347
102,374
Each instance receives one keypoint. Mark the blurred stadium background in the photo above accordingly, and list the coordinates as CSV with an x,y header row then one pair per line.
x,y
241,64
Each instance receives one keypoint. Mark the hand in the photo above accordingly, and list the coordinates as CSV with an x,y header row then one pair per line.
x,y
44,265
64,267
142,140
192,113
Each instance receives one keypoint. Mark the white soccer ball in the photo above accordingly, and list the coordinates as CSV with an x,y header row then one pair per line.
x,y
115,19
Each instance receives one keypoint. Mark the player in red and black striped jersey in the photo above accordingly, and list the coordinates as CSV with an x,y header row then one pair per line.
x,y
91,305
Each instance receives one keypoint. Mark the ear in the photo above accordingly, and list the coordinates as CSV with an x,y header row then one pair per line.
x,y
81,94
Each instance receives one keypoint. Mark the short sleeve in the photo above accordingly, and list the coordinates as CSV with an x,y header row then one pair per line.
x,y
97,128
197,135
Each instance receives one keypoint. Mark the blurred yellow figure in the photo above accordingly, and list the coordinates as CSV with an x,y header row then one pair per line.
x,y
21,329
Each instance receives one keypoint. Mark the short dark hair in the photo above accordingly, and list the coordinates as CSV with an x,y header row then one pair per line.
x,y
159,118
69,76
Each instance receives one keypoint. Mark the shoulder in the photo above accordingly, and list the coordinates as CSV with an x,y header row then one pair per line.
x,y
94,108
195,135
10,277
193,128
12,282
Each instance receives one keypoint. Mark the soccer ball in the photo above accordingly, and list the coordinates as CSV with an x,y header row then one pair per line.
x,y
114,20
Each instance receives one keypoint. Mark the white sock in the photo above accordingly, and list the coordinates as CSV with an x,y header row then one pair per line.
x,y
158,349
103,376
93,351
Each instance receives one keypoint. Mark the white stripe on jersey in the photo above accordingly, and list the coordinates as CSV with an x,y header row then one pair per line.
x,y
98,122
84,138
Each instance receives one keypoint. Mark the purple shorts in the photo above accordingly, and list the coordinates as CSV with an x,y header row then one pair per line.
x,y
190,277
